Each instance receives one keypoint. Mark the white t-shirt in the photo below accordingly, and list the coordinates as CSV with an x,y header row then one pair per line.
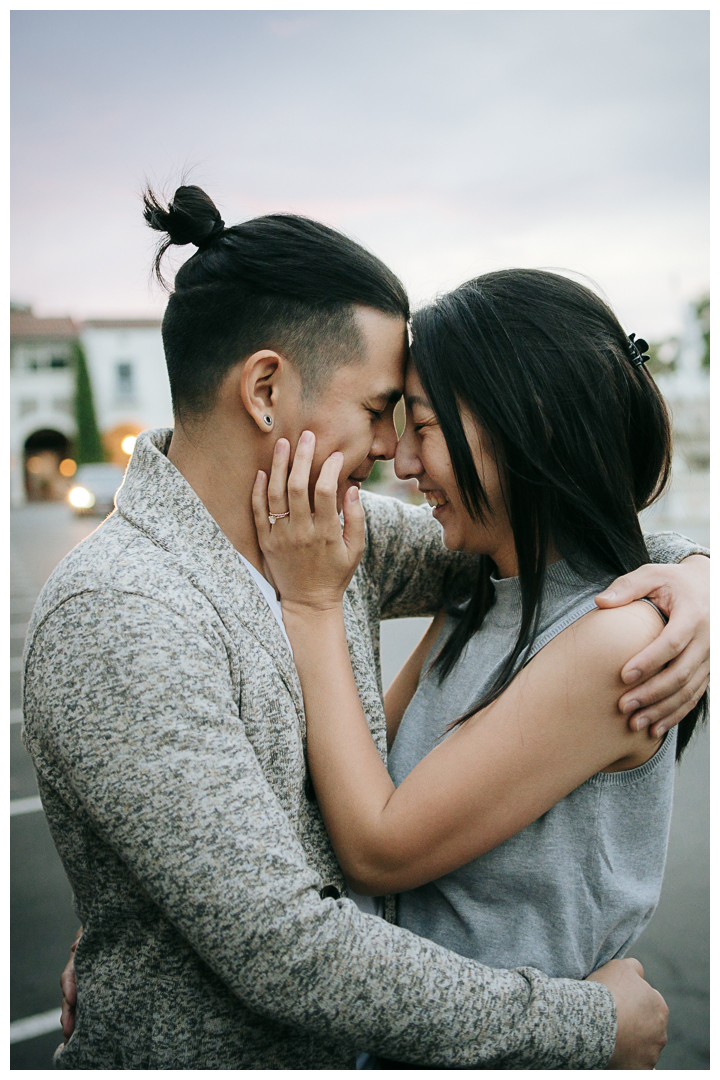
x,y
371,905
269,593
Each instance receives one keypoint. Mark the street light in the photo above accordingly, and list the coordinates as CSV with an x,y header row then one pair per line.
x,y
128,444
81,498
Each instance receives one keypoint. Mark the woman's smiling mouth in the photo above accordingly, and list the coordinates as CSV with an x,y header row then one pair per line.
x,y
435,499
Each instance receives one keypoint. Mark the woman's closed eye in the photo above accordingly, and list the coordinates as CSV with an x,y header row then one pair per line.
x,y
423,423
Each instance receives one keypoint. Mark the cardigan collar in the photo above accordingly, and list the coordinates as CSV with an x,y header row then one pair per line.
x,y
158,501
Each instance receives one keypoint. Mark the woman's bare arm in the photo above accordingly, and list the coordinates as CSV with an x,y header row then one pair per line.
x,y
402,689
489,779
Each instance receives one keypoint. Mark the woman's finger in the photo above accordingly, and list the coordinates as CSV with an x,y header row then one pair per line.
x,y
69,992
354,524
260,508
299,480
277,485
674,640
326,515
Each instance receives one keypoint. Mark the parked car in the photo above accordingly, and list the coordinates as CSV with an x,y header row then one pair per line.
x,y
94,487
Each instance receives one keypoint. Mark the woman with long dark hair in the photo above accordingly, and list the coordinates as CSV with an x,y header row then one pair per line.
x,y
520,819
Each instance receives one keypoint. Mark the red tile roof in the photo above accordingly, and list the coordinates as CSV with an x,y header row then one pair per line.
x,y
24,326
27,327
122,324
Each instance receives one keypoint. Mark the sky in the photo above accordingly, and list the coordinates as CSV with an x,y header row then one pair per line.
x,y
449,143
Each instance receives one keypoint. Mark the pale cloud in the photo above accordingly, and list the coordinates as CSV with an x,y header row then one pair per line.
x,y
448,142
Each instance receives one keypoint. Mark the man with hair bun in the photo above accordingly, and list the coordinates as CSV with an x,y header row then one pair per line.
x,y
165,717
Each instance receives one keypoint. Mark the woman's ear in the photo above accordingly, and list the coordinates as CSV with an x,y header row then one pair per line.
x,y
259,386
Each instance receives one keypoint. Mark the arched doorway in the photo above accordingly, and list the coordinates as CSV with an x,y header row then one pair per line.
x,y
44,450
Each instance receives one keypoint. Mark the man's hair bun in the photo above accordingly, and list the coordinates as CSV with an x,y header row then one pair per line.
x,y
191,217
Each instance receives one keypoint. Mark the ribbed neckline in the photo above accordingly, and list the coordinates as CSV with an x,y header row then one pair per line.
x,y
559,578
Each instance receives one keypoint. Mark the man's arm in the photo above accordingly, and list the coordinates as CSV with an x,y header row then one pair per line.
x,y
136,709
642,1014
406,565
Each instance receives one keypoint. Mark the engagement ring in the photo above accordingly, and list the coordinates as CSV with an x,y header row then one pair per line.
x,y
272,518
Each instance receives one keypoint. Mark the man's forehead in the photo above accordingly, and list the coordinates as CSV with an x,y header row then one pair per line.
x,y
379,385
381,377
389,394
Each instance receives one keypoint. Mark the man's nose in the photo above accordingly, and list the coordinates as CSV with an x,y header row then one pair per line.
x,y
386,441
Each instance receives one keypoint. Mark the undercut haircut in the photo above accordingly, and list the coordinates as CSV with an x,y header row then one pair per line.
x,y
280,282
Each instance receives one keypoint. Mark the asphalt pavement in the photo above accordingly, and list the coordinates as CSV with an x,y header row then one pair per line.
x,y
674,949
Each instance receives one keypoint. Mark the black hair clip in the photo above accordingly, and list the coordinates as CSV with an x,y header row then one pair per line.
x,y
638,351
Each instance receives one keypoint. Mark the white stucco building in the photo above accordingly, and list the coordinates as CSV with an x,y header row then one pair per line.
x,y
686,504
130,388
129,378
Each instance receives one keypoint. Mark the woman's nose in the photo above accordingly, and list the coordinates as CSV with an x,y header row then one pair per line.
x,y
407,463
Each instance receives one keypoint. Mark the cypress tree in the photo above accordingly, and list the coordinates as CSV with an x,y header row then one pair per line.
x,y
88,441
702,310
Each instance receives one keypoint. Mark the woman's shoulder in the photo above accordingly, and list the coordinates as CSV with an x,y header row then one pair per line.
x,y
578,676
590,653
616,633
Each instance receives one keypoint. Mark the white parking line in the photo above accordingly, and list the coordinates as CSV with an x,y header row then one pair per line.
x,y
16,716
33,1026
25,806
16,663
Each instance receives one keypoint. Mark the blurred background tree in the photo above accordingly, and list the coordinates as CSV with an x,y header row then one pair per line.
x,y
702,310
665,354
88,441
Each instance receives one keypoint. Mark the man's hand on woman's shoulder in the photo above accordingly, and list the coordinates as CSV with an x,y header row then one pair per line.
x,y
668,677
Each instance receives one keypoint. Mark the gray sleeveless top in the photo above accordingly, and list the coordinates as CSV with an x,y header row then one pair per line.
x,y
575,888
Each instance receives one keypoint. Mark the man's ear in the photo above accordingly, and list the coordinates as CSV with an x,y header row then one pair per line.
x,y
259,386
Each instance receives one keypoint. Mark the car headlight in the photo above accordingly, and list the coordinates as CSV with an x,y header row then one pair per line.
x,y
81,498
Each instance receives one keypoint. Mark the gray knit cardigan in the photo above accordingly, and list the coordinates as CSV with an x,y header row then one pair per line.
x,y
165,720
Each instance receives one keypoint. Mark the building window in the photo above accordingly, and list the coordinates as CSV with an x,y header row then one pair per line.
x,y
124,379
42,361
